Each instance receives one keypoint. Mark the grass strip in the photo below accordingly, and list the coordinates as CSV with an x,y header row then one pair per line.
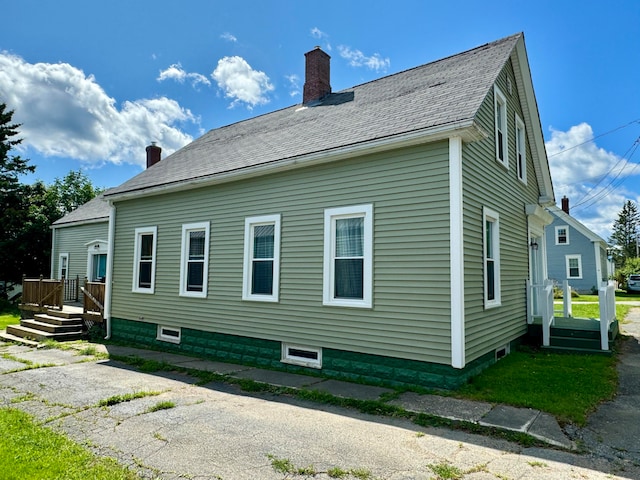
x,y
28,450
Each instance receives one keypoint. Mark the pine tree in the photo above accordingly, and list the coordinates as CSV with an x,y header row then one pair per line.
x,y
625,233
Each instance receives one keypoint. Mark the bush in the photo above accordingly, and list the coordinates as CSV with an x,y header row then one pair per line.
x,y
631,265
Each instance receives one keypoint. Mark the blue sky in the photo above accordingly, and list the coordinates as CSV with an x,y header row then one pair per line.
x,y
93,83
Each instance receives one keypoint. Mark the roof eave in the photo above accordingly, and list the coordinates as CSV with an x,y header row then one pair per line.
x,y
467,129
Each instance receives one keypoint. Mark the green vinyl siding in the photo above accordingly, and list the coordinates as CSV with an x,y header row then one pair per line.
x,y
73,240
488,329
410,317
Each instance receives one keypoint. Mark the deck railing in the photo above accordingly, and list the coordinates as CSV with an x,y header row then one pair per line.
x,y
540,305
93,298
607,300
43,292
72,289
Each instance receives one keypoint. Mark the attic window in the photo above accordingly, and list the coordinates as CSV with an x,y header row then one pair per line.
x,y
501,136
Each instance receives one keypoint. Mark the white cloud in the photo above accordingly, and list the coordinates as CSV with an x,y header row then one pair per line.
x,y
591,177
66,113
358,59
317,33
177,73
242,83
228,37
294,84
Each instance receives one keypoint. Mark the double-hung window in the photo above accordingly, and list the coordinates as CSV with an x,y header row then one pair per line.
x,y
502,150
491,231
261,272
348,256
521,149
574,266
144,267
194,264
562,235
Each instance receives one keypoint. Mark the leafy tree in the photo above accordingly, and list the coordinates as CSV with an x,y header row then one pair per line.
x,y
27,211
14,197
68,193
625,233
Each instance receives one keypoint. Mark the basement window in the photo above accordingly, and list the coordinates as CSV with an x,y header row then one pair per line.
x,y
169,334
303,356
503,352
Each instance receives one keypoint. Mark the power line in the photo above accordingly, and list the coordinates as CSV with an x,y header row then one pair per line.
x,y
593,138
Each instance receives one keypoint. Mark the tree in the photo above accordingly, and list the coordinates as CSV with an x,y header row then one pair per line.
x,y
14,197
68,193
625,233
27,211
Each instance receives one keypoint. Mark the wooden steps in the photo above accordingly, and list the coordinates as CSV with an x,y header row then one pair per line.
x,y
54,325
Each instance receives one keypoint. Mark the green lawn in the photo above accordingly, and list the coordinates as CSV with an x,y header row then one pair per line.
x,y
565,385
8,319
28,450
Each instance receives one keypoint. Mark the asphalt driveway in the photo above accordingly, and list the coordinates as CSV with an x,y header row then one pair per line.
x,y
218,432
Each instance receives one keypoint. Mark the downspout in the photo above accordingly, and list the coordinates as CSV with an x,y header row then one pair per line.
x,y
109,282
53,249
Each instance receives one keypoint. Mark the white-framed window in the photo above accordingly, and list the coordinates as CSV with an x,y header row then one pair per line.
x,y
521,150
562,235
502,149
144,262
194,260
169,334
63,265
348,256
303,356
491,254
261,272
574,266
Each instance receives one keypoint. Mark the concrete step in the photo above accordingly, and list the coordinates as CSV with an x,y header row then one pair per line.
x,y
39,335
55,320
591,351
52,328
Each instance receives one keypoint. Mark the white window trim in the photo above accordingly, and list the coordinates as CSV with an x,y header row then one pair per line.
x,y
330,216
292,359
522,171
94,248
500,101
557,229
247,271
163,335
184,259
567,258
60,257
136,259
494,217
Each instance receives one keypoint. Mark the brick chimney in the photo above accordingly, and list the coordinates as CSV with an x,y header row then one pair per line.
x,y
565,205
153,154
317,75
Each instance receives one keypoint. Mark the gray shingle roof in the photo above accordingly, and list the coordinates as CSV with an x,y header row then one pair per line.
x,y
95,210
437,94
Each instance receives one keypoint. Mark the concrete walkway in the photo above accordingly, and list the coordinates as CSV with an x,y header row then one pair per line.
x,y
538,424
218,431
613,430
